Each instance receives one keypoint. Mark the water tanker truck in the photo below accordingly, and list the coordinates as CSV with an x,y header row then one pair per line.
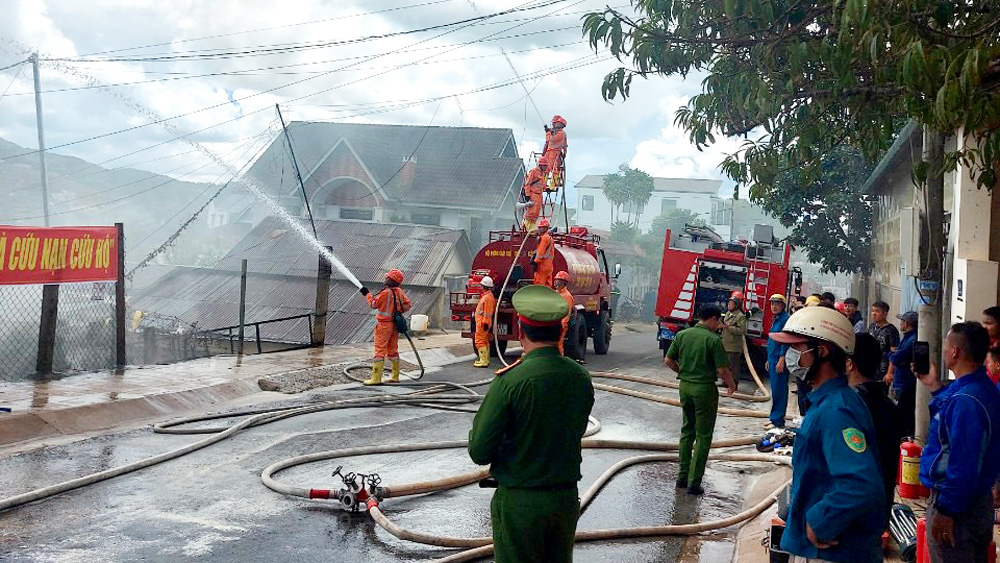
x,y
507,259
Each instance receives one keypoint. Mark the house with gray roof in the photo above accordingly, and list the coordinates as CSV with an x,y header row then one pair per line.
x,y
457,177
281,279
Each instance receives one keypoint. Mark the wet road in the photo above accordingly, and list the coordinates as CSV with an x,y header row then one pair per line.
x,y
210,506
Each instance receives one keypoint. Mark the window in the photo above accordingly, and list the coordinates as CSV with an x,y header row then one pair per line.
x,y
587,203
667,205
425,219
357,214
722,210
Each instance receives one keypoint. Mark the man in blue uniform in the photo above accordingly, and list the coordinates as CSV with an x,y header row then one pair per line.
x,y
837,508
776,363
962,459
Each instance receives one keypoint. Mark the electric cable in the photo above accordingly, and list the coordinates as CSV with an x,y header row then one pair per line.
x,y
17,75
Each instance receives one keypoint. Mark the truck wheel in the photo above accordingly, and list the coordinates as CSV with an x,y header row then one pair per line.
x,y
602,333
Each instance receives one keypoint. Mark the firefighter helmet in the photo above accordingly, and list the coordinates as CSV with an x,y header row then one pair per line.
x,y
812,301
840,307
543,162
486,281
559,119
820,323
395,275
779,298
737,295
544,223
563,275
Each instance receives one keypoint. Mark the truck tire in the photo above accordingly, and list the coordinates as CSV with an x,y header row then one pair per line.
x,y
602,333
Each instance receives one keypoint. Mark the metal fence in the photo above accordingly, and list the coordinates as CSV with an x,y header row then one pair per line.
x,y
85,329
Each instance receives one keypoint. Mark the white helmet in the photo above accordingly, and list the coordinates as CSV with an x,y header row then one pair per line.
x,y
821,323
486,281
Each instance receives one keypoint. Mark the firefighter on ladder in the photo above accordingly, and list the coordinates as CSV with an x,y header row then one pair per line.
x,y
544,254
534,188
555,149
561,284
388,302
484,320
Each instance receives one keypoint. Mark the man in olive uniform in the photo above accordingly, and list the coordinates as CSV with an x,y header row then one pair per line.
x,y
528,430
698,357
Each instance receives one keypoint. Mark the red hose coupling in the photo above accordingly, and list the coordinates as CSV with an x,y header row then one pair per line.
x,y
321,493
371,503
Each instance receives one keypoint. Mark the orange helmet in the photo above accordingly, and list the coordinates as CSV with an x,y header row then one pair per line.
x,y
839,305
543,162
738,295
544,223
559,119
395,275
564,276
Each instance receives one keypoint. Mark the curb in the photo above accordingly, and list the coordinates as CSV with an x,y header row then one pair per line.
x,y
22,427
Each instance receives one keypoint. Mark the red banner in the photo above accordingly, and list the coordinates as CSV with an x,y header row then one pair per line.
x,y
47,255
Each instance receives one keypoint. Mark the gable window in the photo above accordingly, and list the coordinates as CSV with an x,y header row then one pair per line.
x,y
425,218
357,214
587,203
667,204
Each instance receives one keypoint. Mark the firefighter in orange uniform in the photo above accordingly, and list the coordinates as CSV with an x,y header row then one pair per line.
x,y
484,321
534,187
555,148
544,254
388,302
560,284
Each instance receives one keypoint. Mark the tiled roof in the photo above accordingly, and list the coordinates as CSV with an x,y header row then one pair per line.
x,y
465,167
210,299
367,249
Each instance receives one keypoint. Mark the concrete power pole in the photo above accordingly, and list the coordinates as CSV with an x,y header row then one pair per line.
x,y
50,293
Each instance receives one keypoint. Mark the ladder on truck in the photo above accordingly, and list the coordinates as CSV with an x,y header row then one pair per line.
x,y
758,280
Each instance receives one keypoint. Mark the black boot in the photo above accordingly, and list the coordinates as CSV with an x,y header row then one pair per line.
x,y
695,488
682,482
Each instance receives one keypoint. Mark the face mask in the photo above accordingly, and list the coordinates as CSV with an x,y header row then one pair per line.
x,y
792,357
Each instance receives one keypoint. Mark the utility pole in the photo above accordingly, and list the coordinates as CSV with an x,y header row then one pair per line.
x,y
50,293
929,327
298,174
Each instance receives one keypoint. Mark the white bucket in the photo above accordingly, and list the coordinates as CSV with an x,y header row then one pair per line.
x,y
419,323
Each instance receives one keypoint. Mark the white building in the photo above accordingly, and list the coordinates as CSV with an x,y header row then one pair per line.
x,y
700,196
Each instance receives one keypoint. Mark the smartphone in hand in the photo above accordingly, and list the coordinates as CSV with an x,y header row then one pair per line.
x,y
921,357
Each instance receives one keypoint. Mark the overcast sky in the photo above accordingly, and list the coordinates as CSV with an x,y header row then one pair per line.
x,y
225,63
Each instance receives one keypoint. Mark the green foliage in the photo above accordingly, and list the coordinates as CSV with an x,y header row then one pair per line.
x,y
628,185
623,232
799,78
830,217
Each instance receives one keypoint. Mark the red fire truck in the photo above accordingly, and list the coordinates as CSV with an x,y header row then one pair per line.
x,y
577,252
699,268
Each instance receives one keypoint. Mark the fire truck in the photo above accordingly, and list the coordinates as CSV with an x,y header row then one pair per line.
x,y
509,252
699,268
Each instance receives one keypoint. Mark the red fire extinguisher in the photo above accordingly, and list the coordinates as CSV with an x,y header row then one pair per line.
x,y
908,476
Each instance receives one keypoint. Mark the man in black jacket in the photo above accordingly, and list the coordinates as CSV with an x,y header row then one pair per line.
x,y
862,373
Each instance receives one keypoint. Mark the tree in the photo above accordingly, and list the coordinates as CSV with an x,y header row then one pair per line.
x,y
830,217
798,78
623,232
629,185
652,243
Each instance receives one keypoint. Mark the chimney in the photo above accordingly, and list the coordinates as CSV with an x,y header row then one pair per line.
x,y
408,172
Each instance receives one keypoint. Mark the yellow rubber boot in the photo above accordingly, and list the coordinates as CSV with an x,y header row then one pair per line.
x,y
376,378
484,357
394,378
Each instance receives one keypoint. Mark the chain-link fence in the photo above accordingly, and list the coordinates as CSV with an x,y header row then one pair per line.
x,y
85,329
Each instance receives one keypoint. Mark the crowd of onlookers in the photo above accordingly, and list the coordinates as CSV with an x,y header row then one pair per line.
x,y
858,383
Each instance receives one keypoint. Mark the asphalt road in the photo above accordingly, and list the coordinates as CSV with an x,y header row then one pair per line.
x,y
211,507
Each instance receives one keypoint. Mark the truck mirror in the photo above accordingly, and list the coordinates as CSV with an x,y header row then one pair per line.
x,y
618,270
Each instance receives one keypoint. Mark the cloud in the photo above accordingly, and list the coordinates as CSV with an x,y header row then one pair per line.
x,y
447,77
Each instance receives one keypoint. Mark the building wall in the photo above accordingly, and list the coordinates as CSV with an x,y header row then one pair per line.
x,y
595,211
886,282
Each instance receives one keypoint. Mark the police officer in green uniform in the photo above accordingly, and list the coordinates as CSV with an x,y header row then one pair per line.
x,y
838,505
528,430
698,357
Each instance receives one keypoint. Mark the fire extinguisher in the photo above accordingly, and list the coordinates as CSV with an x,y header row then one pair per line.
x,y
908,476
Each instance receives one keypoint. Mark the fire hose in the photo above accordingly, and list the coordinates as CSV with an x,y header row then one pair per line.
x,y
482,546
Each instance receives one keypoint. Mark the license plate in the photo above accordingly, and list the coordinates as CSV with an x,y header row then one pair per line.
x,y
665,334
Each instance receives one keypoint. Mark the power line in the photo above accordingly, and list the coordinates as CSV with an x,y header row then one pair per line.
x,y
17,75
276,88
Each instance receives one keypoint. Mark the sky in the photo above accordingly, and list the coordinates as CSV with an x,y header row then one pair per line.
x,y
217,68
